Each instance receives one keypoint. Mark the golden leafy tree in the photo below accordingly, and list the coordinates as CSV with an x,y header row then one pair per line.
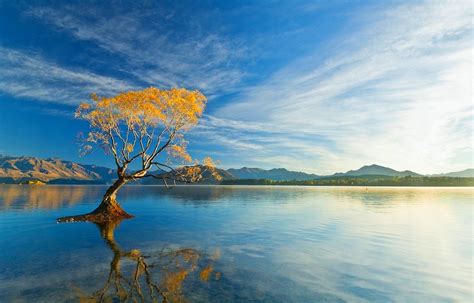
x,y
144,133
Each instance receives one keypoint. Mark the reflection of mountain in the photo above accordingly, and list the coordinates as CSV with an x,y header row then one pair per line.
x,y
185,194
21,169
55,196
153,277
50,197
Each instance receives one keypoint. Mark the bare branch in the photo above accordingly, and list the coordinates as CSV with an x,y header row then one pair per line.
x,y
141,115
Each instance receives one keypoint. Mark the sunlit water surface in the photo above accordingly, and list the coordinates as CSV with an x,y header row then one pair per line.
x,y
264,244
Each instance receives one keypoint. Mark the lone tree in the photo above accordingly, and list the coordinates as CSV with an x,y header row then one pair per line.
x,y
144,132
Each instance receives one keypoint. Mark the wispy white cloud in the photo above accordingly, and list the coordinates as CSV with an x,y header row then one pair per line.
x,y
29,75
398,92
146,53
260,144
152,53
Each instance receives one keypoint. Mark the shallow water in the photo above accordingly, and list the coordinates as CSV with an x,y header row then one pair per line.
x,y
258,244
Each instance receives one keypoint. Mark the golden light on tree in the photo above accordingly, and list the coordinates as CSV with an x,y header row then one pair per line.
x,y
144,133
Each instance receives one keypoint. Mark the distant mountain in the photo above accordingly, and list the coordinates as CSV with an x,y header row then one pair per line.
x,y
56,171
24,169
467,173
246,172
207,177
376,170
277,174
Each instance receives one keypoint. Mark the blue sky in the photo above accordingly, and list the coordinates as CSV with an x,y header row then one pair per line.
x,y
317,86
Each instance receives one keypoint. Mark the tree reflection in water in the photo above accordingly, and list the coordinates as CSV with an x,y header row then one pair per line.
x,y
155,277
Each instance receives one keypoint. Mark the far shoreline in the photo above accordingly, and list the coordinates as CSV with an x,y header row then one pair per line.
x,y
238,185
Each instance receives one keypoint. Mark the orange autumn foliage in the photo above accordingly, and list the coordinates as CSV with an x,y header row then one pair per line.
x,y
130,120
141,125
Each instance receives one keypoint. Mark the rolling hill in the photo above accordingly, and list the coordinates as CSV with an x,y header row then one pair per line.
x,y
375,169
51,170
56,171
467,173
277,174
207,177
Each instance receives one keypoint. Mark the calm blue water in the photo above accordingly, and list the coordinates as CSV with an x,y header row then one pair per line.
x,y
263,244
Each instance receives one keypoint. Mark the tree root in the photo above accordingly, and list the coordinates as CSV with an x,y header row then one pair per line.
x,y
105,213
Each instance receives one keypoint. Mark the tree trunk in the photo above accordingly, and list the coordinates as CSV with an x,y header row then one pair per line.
x,y
109,209
109,202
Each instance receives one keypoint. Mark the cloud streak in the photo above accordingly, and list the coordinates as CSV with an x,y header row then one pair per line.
x,y
154,53
28,75
397,92
394,89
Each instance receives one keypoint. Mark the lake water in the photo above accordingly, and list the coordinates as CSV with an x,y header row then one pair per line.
x,y
239,244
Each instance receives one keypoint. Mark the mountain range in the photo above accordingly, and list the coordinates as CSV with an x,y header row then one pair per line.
x,y
467,173
56,171
277,174
375,169
51,170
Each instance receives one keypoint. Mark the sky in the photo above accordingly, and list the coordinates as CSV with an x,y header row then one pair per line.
x,y
314,86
